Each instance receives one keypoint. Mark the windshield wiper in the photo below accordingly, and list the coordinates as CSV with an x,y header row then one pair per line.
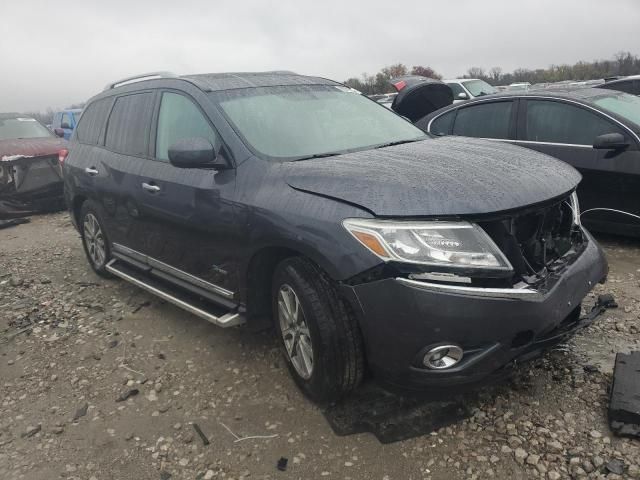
x,y
318,155
399,142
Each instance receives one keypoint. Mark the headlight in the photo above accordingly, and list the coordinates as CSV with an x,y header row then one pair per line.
x,y
452,244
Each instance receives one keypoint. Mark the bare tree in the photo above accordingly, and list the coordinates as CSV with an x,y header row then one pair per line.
x,y
425,72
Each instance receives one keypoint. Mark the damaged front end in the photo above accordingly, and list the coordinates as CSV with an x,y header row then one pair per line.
x,y
533,246
30,184
540,242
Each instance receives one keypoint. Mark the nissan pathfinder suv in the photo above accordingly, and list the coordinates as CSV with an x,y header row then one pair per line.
x,y
370,245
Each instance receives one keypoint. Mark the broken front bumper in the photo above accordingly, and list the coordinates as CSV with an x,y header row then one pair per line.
x,y
29,185
401,320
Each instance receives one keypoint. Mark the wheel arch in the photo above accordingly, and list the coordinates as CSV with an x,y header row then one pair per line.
x,y
258,276
76,207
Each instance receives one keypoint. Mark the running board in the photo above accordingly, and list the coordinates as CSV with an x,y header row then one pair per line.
x,y
184,301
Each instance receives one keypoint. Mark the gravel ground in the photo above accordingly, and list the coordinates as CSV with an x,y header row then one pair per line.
x,y
73,346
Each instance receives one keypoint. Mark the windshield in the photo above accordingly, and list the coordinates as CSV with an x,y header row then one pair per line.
x,y
479,88
301,121
623,104
11,128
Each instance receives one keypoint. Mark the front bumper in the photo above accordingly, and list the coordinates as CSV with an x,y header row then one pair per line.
x,y
401,320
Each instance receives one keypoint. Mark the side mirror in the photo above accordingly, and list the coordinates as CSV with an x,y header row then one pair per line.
x,y
195,153
610,141
65,125
463,96
59,132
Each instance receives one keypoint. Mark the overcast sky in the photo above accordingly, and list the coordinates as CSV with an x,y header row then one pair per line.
x,y
56,53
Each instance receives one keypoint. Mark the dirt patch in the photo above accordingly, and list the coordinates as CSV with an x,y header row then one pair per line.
x,y
74,346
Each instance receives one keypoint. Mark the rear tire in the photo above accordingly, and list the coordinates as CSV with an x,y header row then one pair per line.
x,y
94,238
320,338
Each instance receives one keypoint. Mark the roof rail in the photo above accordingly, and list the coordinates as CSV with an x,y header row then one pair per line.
x,y
140,78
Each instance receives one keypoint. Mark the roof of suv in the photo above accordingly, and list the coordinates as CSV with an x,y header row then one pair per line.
x,y
212,82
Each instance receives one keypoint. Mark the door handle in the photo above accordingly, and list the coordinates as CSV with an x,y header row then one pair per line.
x,y
150,188
93,171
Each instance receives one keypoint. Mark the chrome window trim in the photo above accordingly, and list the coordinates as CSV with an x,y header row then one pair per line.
x,y
533,142
176,272
539,97
524,293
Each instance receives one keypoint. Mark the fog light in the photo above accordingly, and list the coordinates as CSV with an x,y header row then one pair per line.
x,y
442,357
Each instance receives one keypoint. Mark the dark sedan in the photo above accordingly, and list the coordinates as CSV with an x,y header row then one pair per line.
x,y
595,130
625,84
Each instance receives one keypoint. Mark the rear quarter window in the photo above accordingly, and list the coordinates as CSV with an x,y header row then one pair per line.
x,y
92,121
442,125
129,124
484,120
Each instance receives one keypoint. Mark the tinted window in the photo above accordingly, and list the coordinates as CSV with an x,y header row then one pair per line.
x,y
129,123
89,129
180,118
563,123
442,124
486,120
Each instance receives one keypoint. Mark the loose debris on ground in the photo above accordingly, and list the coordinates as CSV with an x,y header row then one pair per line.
x,y
72,344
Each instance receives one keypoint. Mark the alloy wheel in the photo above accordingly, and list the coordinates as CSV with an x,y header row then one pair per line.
x,y
94,240
295,331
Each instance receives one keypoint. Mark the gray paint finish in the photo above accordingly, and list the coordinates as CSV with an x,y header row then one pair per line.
x,y
437,177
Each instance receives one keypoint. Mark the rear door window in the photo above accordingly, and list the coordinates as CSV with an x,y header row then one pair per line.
x,y
484,120
129,124
89,129
180,118
558,122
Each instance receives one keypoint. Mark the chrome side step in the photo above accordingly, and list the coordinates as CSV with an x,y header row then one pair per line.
x,y
229,319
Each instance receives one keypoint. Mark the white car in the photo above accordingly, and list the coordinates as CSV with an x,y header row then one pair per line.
x,y
466,88
519,86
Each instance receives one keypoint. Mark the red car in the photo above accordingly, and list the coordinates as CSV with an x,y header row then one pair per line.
x,y
30,174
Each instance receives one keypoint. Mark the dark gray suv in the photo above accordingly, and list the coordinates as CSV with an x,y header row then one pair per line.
x,y
252,197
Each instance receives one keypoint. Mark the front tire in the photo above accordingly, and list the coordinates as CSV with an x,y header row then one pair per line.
x,y
320,338
94,238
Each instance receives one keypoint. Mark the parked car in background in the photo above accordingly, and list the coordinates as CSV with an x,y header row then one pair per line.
x,y
466,88
519,86
65,121
385,99
30,177
629,85
595,130
368,244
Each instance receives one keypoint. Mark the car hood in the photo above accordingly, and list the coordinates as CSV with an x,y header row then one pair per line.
x,y
419,96
436,177
31,147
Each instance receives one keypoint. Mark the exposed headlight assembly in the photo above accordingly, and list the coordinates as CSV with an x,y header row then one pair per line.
x,y
448,244
575,208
